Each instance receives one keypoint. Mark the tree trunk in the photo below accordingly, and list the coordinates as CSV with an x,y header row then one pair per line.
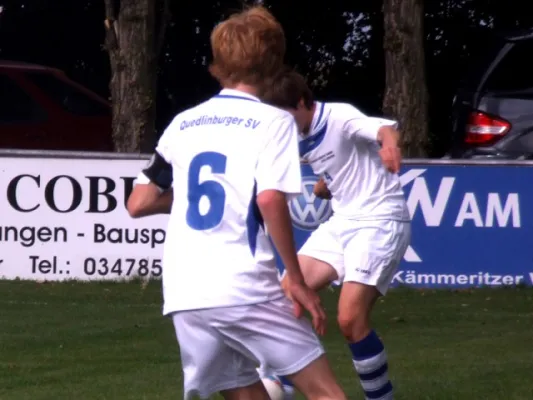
x,y
406,96
133,45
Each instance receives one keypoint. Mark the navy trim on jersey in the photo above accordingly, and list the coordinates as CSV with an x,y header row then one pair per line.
x,y
254,221
320,115
312,142
159,171
230,96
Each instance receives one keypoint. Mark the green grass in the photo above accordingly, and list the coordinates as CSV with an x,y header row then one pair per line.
x,y
109,341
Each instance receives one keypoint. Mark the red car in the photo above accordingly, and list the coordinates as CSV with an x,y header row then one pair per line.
x,y
42,109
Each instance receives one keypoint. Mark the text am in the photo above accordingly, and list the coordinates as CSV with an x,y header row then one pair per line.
x,y
501,210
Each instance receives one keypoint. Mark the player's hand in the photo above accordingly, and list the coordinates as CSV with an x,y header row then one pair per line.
x,y
391,156
304,297
285,286
321,190
390,152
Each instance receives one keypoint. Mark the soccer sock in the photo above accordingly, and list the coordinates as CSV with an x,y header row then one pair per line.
x,y
288,387
370,362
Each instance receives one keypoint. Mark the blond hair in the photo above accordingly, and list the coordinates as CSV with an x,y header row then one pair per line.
x,y
248,47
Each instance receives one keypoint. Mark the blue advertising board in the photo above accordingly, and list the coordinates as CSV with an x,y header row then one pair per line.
x,y
472,225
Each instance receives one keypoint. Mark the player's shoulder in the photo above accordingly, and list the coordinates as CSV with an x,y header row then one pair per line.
x,y
344,111
269,118
179,121
273,113
243,109
182,120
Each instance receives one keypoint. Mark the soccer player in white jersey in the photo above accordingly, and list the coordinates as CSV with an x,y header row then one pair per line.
x,y
361,245
232,162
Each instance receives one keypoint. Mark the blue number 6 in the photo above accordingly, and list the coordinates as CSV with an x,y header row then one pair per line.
x,y
214,191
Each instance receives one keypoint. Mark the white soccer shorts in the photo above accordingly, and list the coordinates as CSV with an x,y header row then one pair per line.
x,y
367,252
222,347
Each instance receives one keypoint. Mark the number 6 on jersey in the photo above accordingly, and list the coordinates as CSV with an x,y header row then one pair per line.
x,y
214,191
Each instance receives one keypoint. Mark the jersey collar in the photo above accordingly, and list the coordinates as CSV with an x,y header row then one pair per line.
x,y
320,118
235,94
317,133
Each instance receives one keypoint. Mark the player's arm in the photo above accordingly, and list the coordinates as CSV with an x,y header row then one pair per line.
x,y
379,130
146,204
278,177
375,129
388,136
152,192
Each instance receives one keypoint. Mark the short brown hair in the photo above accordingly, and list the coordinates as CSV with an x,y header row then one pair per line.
x,y
248,47
287,90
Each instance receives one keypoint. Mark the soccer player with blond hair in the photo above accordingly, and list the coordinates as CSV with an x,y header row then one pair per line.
x,y
229,165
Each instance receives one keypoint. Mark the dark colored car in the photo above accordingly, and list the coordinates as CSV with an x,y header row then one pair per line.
x,y
42,109
492,113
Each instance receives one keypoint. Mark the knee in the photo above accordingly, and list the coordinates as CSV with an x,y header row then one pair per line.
x,y
355,325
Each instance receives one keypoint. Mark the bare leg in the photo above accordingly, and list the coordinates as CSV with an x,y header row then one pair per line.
x,y
355,306
317,381
368,353
255,391
317,274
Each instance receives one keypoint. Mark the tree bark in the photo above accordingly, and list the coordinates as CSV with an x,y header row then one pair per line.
x,y
133,46
406,96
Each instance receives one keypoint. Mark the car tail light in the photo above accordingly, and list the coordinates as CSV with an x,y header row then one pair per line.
x,y
483,129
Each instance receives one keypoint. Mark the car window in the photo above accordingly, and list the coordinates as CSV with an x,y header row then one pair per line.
x,y
16,106
67,96
513,72
479,51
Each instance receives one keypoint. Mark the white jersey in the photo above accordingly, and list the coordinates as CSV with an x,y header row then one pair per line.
x,y
342,148
223,153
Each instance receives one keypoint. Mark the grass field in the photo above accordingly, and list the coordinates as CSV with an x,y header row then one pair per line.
x,y
109,341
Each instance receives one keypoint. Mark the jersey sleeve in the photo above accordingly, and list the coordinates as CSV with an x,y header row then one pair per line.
x,y
278,164
159,169
359,124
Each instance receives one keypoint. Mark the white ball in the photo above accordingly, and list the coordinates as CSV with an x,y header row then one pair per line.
x,y
274,388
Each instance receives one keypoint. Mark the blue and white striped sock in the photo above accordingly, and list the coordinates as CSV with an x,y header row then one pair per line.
x,y
370,362
288,388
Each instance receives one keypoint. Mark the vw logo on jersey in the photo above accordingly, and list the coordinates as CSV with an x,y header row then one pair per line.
x,y
307,210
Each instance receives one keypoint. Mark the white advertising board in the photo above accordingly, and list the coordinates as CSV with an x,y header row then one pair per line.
x,y
65,218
